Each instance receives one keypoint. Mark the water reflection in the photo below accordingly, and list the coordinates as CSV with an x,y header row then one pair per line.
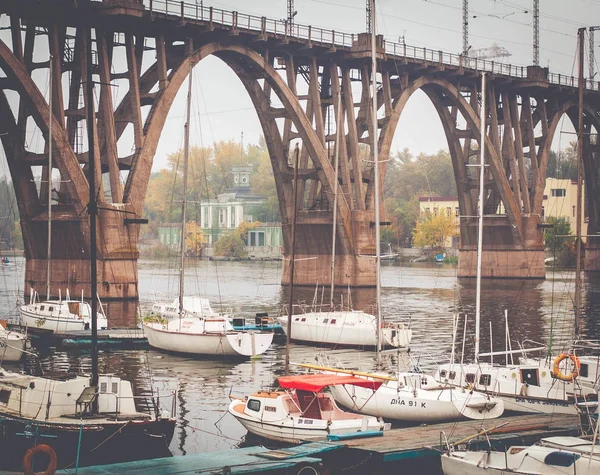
x,y
199,389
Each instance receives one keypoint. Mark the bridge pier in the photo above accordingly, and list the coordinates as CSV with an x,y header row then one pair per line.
x,y
117,269
503,256
312,263
592,255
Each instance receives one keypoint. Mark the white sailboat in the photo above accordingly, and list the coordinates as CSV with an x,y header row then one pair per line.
x,y
198,330
348,327
59,315
55,315
409,396
531,386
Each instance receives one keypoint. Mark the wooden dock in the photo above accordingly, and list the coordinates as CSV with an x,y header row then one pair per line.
x,y
424,441
235,461
405,448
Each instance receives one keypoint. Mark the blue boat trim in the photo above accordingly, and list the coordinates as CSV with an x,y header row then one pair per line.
x,y
356,435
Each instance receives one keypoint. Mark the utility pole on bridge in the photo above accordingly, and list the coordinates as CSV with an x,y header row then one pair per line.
x,y
536,32
592,58
465,31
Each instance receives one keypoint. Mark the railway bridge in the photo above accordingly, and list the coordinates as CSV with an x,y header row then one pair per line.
x,y
295,76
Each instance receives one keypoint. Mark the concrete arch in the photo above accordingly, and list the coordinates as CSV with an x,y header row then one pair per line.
x,y
445,89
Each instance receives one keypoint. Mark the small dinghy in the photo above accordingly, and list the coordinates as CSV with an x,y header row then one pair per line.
x,y
301,411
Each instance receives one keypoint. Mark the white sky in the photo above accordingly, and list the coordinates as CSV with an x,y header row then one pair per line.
x,y
226,110
222,109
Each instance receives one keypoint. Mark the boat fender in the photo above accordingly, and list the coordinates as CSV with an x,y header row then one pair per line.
x,y
307,469
35,450
523,391
556,367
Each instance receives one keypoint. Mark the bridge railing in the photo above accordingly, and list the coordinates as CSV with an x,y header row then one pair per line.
x,y
331,38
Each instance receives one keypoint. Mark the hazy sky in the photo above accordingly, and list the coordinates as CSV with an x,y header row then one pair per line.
x,y
222,109
225,110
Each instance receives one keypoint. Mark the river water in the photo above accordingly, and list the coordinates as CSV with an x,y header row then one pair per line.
x,y
429,294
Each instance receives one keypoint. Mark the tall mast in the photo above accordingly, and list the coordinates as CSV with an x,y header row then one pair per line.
x,y
335,195
375,145
92,208
49,252
292,260
480,218
186,151
577,299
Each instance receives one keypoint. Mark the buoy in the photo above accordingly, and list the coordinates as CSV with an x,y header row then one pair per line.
x,y
35,450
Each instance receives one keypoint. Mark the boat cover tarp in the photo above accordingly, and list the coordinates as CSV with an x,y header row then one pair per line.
x,y
316,382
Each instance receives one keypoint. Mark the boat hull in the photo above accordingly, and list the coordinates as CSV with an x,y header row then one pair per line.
x,y
46,322
294,430
344,328
226,344
101,443
416,405
11,349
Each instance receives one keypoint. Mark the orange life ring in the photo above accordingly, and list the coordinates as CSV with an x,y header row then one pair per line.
x,y
39,449
556,367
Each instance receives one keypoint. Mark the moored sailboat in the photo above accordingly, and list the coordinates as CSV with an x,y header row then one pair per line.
x,y
408,396
530,386
197,329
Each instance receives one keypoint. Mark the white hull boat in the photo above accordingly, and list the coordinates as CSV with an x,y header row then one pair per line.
x,y
57,411
527,388
346,328
417,397
302,412
59,316
535,459
12,345
199,336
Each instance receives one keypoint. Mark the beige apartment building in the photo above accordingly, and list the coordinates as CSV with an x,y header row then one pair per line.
x,y
560,200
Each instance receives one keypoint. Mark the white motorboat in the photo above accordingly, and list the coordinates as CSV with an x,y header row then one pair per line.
x,y
418,397
12,345
301,411
59,316
346,328
534,459
206,336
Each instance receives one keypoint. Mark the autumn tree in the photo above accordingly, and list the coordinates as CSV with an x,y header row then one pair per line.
x,y
233,244
194,239
406,179
432,231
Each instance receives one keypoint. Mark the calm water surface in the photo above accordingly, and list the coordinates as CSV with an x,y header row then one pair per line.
x,y
429,294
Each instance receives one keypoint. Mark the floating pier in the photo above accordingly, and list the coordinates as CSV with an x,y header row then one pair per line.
x,y
293,460
407,447
127,338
